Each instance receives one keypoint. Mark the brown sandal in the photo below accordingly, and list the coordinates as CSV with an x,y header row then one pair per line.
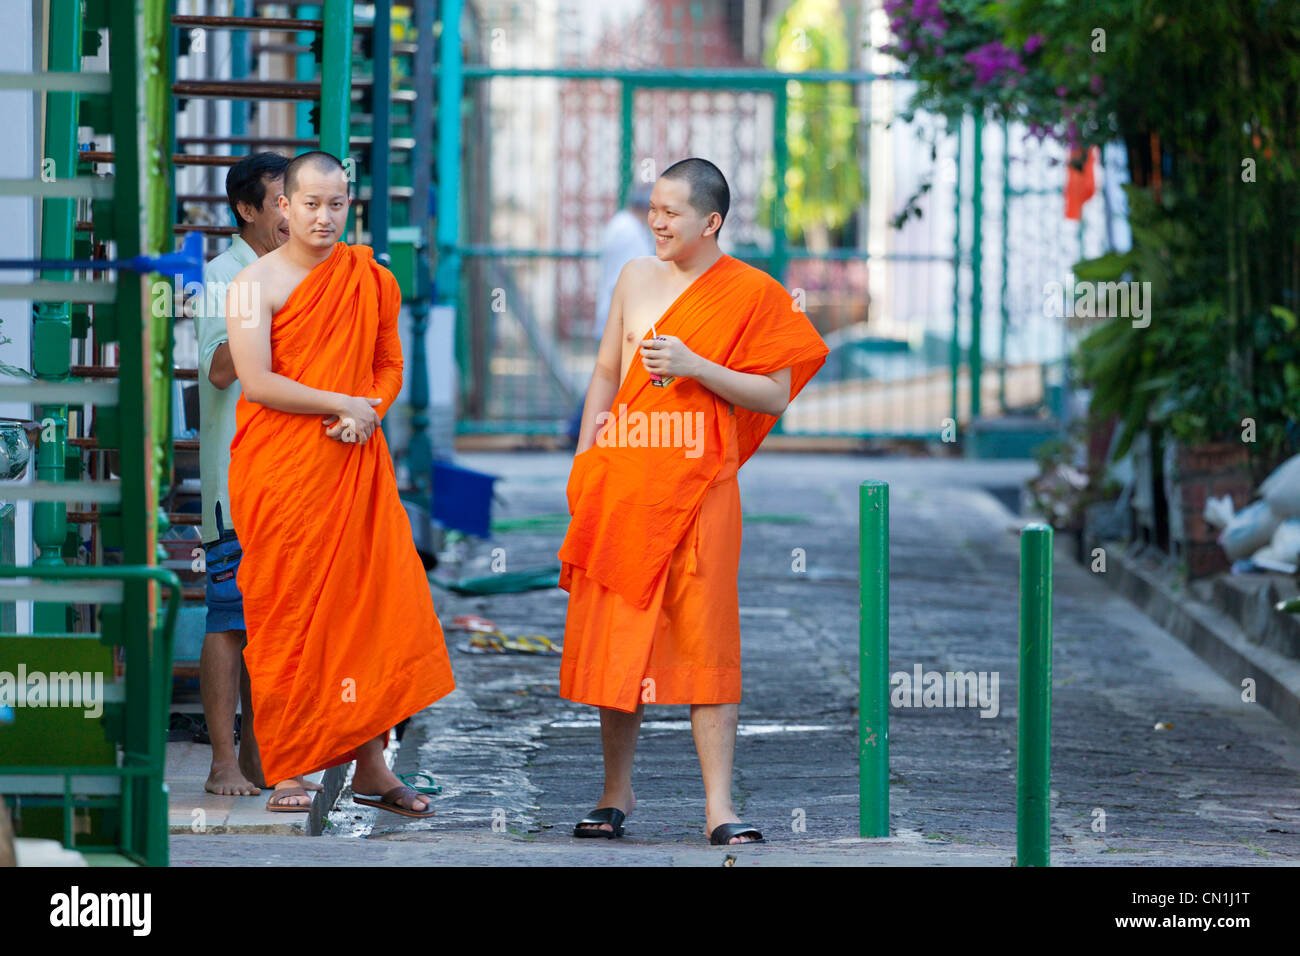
x,y
277,805
389,802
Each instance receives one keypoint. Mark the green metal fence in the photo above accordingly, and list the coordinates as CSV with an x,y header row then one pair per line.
x,y
552,127
526,310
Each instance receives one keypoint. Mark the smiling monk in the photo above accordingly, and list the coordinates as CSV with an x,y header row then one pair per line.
x,y
709,352
343,641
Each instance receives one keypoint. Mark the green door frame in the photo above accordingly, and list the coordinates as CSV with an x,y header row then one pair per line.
x,y
773,85
453,250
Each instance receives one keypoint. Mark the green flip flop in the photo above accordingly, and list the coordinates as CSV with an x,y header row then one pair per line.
x,y
410,779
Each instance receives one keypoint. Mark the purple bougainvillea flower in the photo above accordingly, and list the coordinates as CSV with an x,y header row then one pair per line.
x,y
1061,91
1034,42
936,28
1094,83
992,60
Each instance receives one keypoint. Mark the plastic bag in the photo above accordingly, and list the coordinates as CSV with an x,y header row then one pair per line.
x,y
1281,489
1283,552
1218,511
1250,529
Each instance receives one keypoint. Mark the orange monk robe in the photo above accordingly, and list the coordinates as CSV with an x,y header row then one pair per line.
x,y
343,641
652,551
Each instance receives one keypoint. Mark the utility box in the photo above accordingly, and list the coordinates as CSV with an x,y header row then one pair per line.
x,y
404,247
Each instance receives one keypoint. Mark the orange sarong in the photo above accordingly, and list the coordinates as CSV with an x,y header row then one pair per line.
x,y
652,552
343,641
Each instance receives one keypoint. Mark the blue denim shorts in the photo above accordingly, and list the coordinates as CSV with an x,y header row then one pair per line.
x,y
225,603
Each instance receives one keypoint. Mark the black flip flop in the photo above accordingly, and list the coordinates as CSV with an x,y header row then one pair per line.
x,y
723,834
611,815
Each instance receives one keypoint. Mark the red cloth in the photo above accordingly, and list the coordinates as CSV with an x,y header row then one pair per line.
x,y
1079,184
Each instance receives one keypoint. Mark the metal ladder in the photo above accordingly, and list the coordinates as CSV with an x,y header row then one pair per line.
x,y
97,785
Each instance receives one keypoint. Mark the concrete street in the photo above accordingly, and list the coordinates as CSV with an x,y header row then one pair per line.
x,y
519,766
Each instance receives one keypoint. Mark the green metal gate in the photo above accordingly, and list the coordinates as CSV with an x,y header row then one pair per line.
x,y
535,155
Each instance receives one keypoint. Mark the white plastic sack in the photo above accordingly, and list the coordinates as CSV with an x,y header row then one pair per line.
x,y
1286,541
1281,489
1218,511
1249,530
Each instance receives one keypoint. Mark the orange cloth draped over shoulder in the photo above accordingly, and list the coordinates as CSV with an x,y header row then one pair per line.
x,y
343,641
652,552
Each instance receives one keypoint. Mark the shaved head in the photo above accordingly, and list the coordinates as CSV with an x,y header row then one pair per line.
x,y
316,160
709,191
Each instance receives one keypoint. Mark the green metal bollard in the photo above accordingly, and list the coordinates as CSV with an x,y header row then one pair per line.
x,y
873,659
1034,736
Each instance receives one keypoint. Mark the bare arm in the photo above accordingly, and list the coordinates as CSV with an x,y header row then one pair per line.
x,y
221,371
248,328
605,378
768,393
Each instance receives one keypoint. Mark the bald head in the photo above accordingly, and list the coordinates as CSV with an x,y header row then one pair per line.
x,y
709,191
316,161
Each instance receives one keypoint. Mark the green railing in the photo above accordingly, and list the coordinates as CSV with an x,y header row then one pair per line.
x,y
138,724
76,318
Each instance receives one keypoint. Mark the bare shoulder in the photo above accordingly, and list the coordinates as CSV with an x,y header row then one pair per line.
x,y
640,272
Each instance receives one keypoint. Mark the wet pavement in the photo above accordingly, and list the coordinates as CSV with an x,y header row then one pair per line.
x,y
519,766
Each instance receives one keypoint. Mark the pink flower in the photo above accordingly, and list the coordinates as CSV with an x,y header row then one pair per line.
x,y
1034,42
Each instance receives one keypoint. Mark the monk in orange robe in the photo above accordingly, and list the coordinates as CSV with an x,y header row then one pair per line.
x,y
708,351
343,641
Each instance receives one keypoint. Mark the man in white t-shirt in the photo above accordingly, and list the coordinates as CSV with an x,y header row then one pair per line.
x,y
253,189
626,236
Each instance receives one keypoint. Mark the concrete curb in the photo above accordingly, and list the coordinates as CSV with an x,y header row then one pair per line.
x,y
1212,634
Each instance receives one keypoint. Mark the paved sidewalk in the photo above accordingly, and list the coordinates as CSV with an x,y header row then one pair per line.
x,y
1220,786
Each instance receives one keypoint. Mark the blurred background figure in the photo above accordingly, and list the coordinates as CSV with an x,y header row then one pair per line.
x,y
626,236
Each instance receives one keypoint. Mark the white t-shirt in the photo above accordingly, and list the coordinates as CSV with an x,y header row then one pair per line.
x,y
625,237
216,405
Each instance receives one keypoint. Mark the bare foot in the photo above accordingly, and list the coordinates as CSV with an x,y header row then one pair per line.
x,y
713,821
379,782
225,778
297,800
308,785
625,801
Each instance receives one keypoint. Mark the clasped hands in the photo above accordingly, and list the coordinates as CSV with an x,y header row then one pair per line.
x,y
355,421
667,355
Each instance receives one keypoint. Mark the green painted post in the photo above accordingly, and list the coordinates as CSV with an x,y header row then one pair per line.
x,y
873,659
305,69
1034,735
627,104
1004,308
240,41
447,284
52,325
954,350
377,214
781,160
419,449
155,67
976,267
336,78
